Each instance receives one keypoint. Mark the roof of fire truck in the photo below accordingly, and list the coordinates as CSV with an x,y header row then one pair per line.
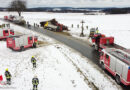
x,y
6,28
120,54
21,35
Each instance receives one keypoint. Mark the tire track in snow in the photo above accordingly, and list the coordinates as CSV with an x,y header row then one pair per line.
x,y
84,71
89,83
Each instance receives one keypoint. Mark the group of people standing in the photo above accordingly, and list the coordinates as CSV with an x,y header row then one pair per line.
x,y
35,80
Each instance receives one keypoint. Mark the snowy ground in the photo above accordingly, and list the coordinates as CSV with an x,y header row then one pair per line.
x,y
111,25
59,67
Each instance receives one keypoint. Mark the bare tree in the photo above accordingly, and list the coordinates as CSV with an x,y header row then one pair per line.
x,y
17,5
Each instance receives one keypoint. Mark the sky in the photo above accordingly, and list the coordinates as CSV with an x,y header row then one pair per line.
x,y
71,3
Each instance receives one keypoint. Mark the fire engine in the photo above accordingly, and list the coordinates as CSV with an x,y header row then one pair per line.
x,y
117,62
15,19
100,41
20,43
4,33
10,17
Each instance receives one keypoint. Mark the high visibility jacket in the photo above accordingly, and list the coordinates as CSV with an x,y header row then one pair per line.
x,y
97,31
33,60
35,81
7,74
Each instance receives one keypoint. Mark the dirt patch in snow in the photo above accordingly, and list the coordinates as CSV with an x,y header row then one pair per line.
x,y
42,43
64,33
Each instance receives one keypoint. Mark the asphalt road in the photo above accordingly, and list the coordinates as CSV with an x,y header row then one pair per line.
x,y
82,47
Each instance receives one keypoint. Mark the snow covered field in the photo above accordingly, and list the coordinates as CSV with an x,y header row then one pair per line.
x,y
59,67
111,25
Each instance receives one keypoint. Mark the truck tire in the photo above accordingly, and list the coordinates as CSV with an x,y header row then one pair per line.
x,y
22,48
102,66
34,45
117,78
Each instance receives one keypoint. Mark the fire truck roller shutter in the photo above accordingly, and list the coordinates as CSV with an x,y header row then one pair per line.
x,y
1,33
123,74
21,41
125,71
119,67
25,40
17,42
113,63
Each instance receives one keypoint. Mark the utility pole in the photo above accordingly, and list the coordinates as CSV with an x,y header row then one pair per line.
x,y
82,34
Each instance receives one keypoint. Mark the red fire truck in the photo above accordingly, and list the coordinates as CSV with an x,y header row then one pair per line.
x,y
100,41
19,43
5,17
4,33
117,62
10,17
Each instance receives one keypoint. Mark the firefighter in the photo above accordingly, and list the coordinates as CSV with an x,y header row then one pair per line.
x,y
97,31
35,82
87,27
72,25
33,60
78,26
8,76
8,25
34,25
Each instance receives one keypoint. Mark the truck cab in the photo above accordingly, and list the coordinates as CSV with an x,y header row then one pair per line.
x,y
100,41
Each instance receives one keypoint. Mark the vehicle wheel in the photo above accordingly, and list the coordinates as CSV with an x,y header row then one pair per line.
x,y
117,78
22,48
34,45
102,66
51,29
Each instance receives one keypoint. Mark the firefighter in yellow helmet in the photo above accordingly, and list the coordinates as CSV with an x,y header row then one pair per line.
x,y
33,60
8,76
35,82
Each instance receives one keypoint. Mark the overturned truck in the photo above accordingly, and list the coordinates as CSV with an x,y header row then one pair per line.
x,y
53,25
